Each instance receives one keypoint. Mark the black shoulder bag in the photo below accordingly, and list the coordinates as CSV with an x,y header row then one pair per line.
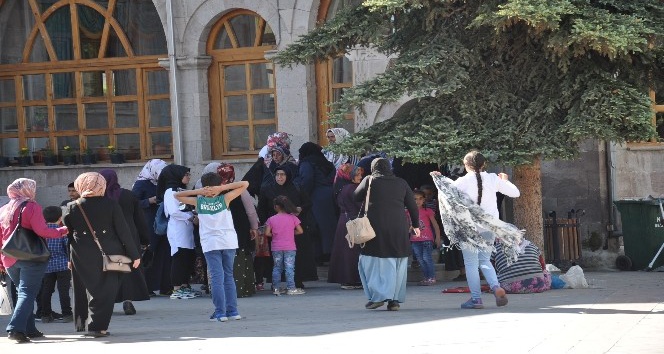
x,y
24,244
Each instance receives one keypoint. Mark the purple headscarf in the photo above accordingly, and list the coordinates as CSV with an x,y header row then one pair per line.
x,y
112,185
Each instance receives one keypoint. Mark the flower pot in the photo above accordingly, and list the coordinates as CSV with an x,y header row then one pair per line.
x,y
4,161
89,159
23,161
69,160
117,158
51,160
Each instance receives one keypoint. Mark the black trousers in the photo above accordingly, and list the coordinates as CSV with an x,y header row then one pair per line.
x,y
182,266
63,281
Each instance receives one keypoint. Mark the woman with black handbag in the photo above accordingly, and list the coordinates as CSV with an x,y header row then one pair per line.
x,y
27,274
95,290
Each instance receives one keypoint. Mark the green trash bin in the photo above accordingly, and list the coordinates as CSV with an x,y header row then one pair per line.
x,y
643,232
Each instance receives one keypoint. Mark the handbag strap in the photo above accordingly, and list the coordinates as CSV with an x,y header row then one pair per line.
x,y
20,212
365,204
87,221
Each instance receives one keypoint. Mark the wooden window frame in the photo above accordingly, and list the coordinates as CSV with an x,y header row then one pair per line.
x,y
141,65
325,84
236,56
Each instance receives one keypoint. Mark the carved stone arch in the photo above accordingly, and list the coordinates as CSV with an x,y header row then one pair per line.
x,y
201,21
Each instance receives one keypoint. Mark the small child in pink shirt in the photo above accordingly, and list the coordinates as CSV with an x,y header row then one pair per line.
x,y
424,244
283,227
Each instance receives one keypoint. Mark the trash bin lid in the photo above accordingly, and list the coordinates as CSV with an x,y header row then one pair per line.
x,y
642,201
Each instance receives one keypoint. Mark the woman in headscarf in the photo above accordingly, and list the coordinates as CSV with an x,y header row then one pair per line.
x,y
315,179
305,262
336,136
158,274
25,274
383,263
344,260
180,230
245,221
281,157
132,286
95,290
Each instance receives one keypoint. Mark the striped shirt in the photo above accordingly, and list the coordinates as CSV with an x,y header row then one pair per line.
x,y
59,252
527,266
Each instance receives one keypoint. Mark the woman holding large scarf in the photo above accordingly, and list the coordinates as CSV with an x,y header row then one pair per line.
x,y
469,212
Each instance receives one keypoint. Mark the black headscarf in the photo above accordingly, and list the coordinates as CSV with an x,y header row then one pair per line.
x,y
170,177
313,153
380,167
365,163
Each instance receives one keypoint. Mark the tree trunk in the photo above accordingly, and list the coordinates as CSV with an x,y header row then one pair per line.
x,y
528,207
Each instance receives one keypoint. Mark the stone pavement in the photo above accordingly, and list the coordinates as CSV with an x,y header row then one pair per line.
x,y
622,312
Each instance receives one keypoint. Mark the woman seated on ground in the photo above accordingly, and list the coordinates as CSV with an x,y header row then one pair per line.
x,y
527,275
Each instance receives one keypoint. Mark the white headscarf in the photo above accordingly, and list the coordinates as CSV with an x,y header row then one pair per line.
x,y
151,171
211,167
338,159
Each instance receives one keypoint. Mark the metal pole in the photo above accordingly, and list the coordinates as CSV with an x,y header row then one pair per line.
x,y
554,239
172,70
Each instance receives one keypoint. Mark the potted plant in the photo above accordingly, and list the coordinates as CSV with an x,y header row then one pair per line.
x,y
116,157
68,156
88,157
50,158
24,157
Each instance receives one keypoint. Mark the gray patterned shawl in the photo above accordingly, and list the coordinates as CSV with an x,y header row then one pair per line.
x,y
461,217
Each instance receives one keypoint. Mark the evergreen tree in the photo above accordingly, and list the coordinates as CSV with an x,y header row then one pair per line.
x,y
521,80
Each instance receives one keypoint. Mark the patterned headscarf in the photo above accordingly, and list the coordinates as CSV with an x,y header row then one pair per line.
x,y
279,138
211,167
151,170
112,185
90,184
227,173
19,191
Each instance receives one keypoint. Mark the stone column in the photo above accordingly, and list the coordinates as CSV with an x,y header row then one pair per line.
x,y
194,102
296,102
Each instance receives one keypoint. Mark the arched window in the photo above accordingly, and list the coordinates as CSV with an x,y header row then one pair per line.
x,y
333,76
83,74
242,85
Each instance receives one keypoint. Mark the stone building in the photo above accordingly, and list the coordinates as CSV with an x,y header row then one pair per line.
x,y
191,81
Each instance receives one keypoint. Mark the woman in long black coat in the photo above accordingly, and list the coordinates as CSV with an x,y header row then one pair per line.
x,y
316,175
383,261
94,289
133,286
157,274
305,261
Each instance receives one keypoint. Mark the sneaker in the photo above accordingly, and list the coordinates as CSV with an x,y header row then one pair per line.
x,y
432,281
277,291
260,287
18,337
182,294
47,319
67,318
218,317
235,317
500,294
296,291
128,308
393,305
194,293
461,277
472,304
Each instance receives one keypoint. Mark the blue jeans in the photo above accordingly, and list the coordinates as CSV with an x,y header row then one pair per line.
x,y
422,251
28,279
474,261
283,260
220,269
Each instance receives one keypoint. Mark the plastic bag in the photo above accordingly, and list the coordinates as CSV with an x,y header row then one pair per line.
x,y
574,278
556,282
6,306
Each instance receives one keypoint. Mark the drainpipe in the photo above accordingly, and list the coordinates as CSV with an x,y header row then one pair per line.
x,y
611,192
172,71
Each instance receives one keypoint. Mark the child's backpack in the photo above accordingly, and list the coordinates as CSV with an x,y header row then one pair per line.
x,y
160,220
